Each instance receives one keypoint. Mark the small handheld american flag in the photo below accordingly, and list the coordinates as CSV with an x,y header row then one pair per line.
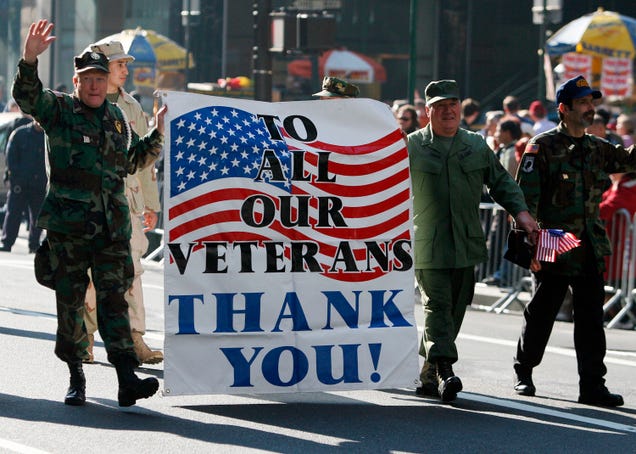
x,y
553,242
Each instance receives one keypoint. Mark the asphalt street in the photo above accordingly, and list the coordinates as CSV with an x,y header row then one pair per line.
x,y
487,416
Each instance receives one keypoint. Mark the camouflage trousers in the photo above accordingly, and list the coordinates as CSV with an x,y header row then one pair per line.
x,y
112,270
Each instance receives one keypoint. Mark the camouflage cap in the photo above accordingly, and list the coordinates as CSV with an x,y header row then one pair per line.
x,y
113,50
91,60
439,90
333,87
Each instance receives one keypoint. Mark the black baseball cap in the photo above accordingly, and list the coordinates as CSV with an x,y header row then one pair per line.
x,y
91,60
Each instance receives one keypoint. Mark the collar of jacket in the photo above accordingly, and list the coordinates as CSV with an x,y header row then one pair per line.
x,y
427,137
588,140
127,97
79,106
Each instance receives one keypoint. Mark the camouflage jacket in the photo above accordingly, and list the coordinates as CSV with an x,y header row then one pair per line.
x,y
447,189
563,180
87,157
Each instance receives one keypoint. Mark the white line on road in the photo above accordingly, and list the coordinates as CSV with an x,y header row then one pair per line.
x,y
548,412
556,350
17,447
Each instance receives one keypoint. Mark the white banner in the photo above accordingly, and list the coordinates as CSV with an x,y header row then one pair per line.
x,y
616,78
576,64
288,230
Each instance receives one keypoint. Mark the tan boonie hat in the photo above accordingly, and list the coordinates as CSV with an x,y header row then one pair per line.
x,y
333,87
91,60
113,50
439,90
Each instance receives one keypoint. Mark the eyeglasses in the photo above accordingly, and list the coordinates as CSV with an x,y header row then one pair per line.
x,y
405,118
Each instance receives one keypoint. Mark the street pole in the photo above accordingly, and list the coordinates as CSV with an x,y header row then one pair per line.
x,y
52,48
261,57
540,73
185,21
190,15
412,51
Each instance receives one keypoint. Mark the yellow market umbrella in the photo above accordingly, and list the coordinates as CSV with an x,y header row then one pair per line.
x,y
151,49
601,34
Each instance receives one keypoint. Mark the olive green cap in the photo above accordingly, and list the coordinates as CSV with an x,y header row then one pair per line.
x,y
439,90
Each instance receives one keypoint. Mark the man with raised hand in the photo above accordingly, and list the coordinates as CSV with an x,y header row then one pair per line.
x,y
85,213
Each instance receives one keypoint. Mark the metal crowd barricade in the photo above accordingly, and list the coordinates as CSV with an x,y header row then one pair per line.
x,y
621,268
512,278
616,281
621,265
157,253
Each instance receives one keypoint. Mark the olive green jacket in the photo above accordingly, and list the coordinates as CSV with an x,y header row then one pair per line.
x,y
563,183
447,189
88,159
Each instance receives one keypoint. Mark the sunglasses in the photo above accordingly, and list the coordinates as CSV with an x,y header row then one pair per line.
x,y
405,118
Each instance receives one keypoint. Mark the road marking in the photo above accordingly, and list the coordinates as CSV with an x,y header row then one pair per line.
x,y
24,264
548,412
17,447
556,350
15,310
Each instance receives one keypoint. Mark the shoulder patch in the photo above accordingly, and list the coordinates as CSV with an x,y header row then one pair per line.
x,y
532,148
527,163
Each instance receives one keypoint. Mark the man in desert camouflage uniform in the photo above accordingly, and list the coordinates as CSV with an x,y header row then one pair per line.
x,y
563,174
85,211
143,200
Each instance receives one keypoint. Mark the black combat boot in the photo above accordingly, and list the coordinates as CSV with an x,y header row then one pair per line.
x,y
523,381
76,394
132,387
599,396
449,383
430,383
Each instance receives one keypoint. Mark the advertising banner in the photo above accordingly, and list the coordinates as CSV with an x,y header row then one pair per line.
x,y
288,261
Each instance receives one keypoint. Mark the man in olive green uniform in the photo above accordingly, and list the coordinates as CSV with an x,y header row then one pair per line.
x,y
449,167
85,211
563,174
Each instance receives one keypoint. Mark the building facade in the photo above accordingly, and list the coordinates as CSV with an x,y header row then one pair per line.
x,y
488,46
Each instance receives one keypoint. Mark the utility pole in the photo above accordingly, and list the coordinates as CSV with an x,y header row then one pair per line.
x,y
412,51
190,14
261,57
544,11
541,75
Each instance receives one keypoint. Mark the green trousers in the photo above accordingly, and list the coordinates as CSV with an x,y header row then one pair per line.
x,y
445,295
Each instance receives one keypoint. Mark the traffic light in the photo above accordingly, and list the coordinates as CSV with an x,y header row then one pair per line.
x,y
315,32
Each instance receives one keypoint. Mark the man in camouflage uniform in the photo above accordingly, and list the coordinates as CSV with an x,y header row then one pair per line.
x,y
449,167
85,211
563,174
143,200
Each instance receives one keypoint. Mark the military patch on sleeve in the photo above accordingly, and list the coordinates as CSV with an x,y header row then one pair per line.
x,y
527,163
532,148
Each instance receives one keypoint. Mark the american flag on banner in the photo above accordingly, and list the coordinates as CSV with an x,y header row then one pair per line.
x,y
553,242
288,230
221,155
